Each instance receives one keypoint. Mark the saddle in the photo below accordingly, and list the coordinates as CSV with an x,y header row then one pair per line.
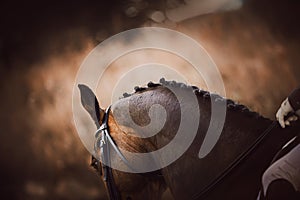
x,y
286,148
280,183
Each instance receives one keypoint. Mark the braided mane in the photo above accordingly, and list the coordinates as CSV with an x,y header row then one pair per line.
x,y
231,105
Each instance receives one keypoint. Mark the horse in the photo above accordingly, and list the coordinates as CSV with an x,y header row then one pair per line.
x,y
231,170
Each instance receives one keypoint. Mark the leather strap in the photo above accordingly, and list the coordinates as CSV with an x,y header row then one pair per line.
x,y
102,147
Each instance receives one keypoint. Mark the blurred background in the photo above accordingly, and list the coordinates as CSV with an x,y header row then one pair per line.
x,y
43,43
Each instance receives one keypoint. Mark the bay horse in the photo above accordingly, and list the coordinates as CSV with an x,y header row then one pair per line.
x,y
231,170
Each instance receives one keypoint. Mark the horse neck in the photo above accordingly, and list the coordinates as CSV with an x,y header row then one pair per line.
x,y
244,181
241,129
189,173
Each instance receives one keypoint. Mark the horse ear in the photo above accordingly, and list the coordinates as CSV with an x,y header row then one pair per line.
x,y
90,103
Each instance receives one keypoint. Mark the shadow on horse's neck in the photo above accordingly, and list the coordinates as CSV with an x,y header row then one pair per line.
x,y
189,174
244,181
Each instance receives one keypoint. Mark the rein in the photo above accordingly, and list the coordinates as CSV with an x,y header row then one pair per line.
x,y
235,163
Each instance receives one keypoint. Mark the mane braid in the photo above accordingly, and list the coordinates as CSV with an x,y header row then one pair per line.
x,y
231,105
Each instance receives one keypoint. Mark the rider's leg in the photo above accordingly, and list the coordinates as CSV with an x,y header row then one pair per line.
x,y
283,176
280,189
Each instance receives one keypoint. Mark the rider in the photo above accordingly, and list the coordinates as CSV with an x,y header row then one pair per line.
x,y
283,176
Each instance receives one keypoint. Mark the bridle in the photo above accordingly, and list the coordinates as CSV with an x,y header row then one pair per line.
x,y
102,148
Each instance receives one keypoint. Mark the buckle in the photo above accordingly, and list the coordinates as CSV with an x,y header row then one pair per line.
x,y
103,127
102,142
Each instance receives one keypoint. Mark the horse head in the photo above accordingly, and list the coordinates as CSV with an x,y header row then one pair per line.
x,y
127,185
